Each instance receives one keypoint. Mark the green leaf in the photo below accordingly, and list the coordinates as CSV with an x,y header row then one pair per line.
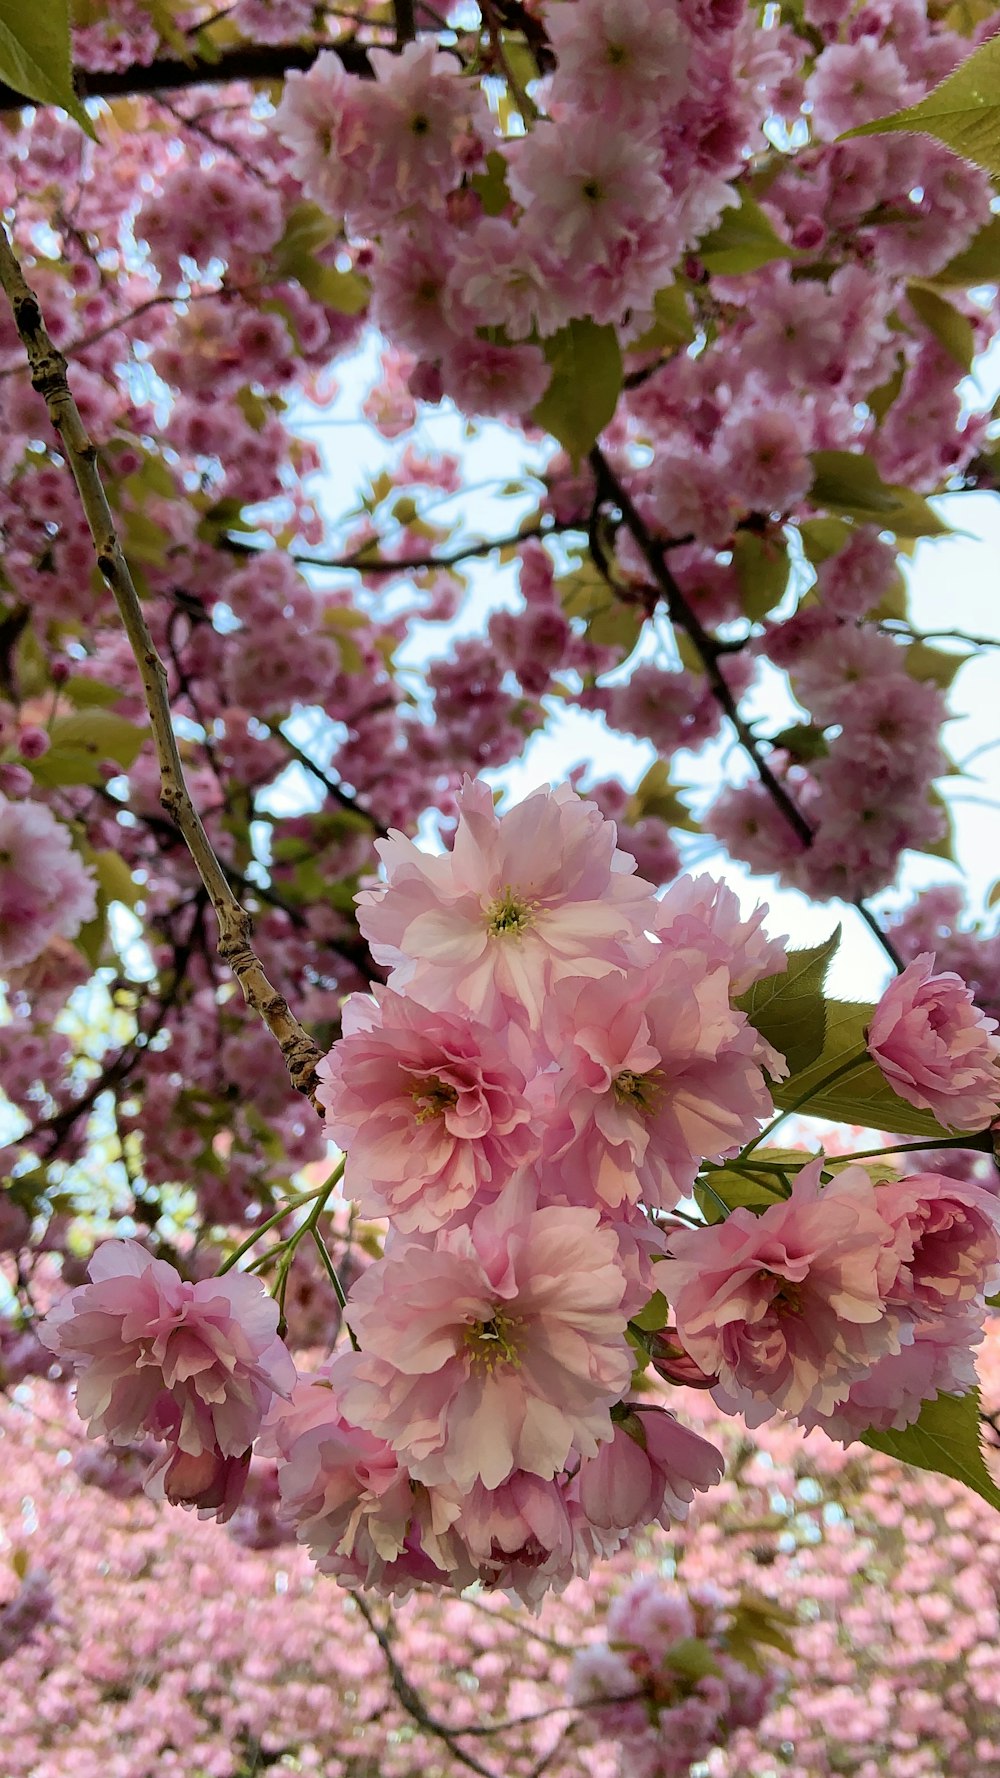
x,y
754,1187
963,112
83,691
822,538
115,880
586,382
307,231
950,328
881,399
35,54
81,742
802,740
491,186
690,1657
979,263
655,1315
757,1620
789,1010
848,482
673,325
761,565
945,1439
924,662
743,240
861,1097
657,795
611,622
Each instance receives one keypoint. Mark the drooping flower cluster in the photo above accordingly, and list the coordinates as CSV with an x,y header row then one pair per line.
x,y
673,1688
194,1366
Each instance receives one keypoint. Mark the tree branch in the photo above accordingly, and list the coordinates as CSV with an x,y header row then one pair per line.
x,y
246,62
359,563
686,618
49,378
410,1698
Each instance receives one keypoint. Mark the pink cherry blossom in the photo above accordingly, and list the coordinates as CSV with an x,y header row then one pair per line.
x,y
650,1470
521,899
429,1108
946,1242
658,1073
45,888
787,1307
496,1348
196,1364
935,1048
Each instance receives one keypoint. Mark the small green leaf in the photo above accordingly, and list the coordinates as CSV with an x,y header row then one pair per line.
x,y
862,1096
802,740
115,880
586,364
655,1315
753,1187
612,622
36,56
672,326
924,662
823,538
950,328
690,1657
945,1439
657,795
81,742
742,241
963,112
881,399
979,263
491,186
849,483
789,1010
761,565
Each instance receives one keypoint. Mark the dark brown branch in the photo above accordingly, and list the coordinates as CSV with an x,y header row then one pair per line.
x,y
680,612
359,563
410,1698
247,62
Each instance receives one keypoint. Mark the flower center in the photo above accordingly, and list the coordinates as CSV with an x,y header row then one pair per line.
x,y
494,1342
637,1090
508,915
431,1098
787,1298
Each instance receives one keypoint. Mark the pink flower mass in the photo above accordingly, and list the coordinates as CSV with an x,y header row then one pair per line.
x,y
408,1165
197,1365
935,1048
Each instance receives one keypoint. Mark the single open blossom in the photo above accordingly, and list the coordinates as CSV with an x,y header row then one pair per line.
x,y
45,888
935,1048
495,1348
946,1242
659,1072
195,1364
787,1307
343,1489
520,900
650,1470
430,1110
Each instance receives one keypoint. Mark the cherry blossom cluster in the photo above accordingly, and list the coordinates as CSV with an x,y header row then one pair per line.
x,y
552,1061
673,1689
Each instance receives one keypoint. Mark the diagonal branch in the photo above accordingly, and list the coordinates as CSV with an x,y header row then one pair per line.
x,y
410,1698
681,613
49,378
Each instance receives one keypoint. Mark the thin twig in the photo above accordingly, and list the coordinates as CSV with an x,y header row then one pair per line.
x,y
360,564
49,378
410,1698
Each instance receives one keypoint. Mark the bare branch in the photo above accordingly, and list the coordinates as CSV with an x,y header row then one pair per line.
x,y
49,378
410,1698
